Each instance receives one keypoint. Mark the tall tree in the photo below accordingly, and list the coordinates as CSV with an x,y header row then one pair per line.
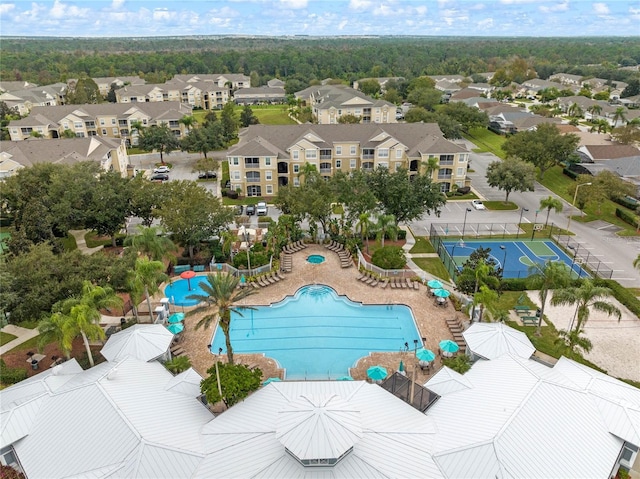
x,y
52,329
247,117
586,297
573,340
151,243
364,227
209,137
146,276
85,91
486,299
237,381
229,122
160,138
619,116
551,276
221,296
511,175
110,205
189,121
544,147
550,203
468,116
386,225
369,87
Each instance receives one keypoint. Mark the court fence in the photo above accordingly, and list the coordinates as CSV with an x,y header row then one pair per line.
x,y
580,256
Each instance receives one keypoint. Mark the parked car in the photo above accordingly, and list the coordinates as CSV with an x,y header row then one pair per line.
x,y
159,177
479,205
251,210
239,209
162,169
261,208
207,175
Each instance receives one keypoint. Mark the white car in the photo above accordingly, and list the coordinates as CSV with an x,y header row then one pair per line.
x,y
261,208
162,169
477,204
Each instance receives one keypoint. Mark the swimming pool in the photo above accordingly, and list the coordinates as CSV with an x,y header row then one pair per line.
x,y
317,334
315,259
178,290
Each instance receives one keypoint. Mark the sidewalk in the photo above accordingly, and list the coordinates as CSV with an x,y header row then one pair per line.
x,y
81,242
23,335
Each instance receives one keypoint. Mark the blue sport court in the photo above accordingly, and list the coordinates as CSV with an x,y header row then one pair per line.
x,y
517,256
317,334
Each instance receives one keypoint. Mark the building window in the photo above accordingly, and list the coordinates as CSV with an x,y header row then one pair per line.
x,y
338,163
383,164
296,154
398,165
65,125
310,154
296,181
398,153
101,121
236,175
463,157
114,131
267,161
338,150
446,160
235,161
352,150
113,121
252,162
267,175
383,152
104,131
269,189
352,164
460,171
296,168
253,177
444,187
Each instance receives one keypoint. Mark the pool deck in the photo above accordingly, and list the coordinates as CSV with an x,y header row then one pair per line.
x,y
430,318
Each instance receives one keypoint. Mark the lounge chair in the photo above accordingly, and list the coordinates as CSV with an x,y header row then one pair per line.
x,y
384,283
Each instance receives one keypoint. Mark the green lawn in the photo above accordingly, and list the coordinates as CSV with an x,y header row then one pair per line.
x,y
500,205
272,114
69,243
559,183
6,338
468,196
423,245
433,266
486,141
94,240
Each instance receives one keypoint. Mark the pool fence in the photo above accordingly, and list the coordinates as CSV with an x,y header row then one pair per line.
x,y
385,273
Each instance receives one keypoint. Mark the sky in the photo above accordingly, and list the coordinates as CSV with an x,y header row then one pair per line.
x,y
144,18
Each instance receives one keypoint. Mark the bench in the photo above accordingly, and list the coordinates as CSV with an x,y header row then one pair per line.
x,y
529,320
198,268
181,268
522,310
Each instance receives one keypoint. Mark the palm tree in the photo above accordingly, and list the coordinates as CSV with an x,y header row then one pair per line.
x,y
386,224
146,276
619,115
151,243
188,121
594,110
552,275
432,164
587,296
486,298
52,329
178,364
483,276
221,294
364,227
636,262
575,110
573,339
550,203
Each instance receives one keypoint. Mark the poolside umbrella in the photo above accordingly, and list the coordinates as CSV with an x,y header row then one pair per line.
x,y
243,280
271,380
401,369
377,373
448,347
425,355
345,378
176,328
435,284
176,318
188,275
441,293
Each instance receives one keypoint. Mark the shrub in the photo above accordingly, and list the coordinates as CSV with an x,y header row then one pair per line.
x,y
627,217
622,294
514,284
232,194
389,257
627,202
11,375
571,174
402,235
459,363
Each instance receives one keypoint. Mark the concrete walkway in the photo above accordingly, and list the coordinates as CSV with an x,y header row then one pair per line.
x,y
23,334
81,242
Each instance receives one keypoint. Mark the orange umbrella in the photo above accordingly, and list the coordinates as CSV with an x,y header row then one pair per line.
x,y
188,275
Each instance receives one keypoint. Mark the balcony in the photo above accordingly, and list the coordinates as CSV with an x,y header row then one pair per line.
x,y
325,170
368,156
444,177
325,157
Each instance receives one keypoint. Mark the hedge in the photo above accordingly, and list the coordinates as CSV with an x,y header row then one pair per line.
x,y
514,284
627,217
569,173
622,294
627,202
11,375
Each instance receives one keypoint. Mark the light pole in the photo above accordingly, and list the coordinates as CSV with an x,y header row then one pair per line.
x,y
504,259
464,225
247,239
520,221
575,197
533,229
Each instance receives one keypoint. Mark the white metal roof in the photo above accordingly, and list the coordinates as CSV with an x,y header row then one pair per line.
x,y
491,340
187,383
142,341
446,381
396,439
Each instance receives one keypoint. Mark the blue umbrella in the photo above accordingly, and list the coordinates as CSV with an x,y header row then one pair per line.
x,y
435,284
441,293
176,318
425,355
176,328
377,373
345,378
448,346
271,380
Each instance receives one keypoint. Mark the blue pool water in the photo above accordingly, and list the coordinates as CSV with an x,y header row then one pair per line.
x,y
317,334
178,290
315,258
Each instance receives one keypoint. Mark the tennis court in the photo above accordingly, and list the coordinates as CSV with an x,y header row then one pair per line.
x,y
517,256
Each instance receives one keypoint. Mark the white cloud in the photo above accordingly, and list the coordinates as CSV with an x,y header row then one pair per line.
x,y
342,24
485,24
558,7
516,2
116,4
6,8
295,4
635,13
601,9
161,14
421,10
360,4
477,6
61,10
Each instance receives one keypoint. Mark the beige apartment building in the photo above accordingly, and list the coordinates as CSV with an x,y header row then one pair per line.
x,y
108,120
205,95
330,102
268,156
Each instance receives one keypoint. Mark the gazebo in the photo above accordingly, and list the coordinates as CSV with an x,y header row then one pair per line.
x,y
142,341
492,340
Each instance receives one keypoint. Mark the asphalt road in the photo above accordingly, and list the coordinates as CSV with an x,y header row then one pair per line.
x,y
596,237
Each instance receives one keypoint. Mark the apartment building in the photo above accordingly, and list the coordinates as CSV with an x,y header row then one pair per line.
x,y
110,153
203,94
108,120
330,102
23,101
231,81
268,156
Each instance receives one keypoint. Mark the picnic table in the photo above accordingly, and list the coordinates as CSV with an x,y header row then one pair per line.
x,y
529,320
523,309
